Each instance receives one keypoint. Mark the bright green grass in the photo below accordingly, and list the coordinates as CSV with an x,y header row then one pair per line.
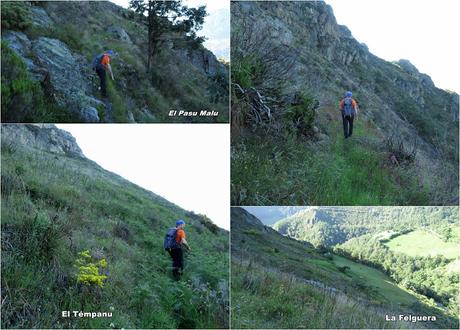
x,y
423,243
268,171
377,280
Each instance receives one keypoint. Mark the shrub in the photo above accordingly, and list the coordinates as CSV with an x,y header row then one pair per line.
x,y
15,15
39,237
248,71
88,270
300,116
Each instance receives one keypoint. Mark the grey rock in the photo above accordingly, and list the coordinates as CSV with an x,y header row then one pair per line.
x,y
130,117
119,33
44,137
17,41
40,17
21,45
66,78
89,115
206,61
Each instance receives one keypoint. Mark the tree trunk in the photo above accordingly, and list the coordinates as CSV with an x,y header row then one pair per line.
x,y
150,35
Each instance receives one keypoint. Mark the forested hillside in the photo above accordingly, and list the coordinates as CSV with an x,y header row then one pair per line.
x,y
76,237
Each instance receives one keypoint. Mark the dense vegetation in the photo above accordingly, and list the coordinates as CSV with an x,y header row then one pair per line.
x,y
435,277
278,282
76,237
416,246
171,82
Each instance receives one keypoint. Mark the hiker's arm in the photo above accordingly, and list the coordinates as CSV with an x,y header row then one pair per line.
x,y
184,242
109,67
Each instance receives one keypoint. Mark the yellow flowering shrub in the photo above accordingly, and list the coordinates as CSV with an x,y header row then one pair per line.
x,y
88,269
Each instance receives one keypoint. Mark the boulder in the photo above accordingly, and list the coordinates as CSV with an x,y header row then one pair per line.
x,y
119,33
66,78
89,115
40,17
21,45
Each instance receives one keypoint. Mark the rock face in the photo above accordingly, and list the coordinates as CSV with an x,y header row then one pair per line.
x,y
65,75
43,137
304,49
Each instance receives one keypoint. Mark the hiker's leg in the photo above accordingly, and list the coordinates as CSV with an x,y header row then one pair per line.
x,y
350,131
102,77
175,262
180,258
345,125
103,83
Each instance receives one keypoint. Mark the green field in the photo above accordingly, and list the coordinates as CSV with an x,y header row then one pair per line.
x,y
377,281
423,243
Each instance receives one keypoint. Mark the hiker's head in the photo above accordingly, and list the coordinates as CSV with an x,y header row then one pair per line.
x,y
348,94
180,223
110,52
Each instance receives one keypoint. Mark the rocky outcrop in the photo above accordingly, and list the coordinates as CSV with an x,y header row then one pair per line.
x,y
304,49
53,64
44,137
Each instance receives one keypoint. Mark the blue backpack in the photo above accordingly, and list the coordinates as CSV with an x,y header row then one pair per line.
x,y
97,60
170,239
348,110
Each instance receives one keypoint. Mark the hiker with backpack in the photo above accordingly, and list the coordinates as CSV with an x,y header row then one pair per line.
x,y
349,109
173,243
101,63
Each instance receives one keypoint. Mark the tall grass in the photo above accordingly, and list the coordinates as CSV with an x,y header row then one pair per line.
x,y
270,170
263,298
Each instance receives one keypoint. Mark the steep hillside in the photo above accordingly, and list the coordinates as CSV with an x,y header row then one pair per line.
x,y
291,64
57,204
278,282
47,54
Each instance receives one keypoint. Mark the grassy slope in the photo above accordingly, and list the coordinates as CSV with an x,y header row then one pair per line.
x,y
267,171
376,280
423,243
54,207
268,286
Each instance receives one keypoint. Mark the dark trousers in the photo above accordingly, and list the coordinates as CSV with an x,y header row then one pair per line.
x,y
177,256
347,125
103,77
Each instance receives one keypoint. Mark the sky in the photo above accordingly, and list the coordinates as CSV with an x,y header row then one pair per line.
x,y
423,31
188,164
216,27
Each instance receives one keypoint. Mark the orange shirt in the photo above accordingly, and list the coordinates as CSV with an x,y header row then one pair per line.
x,y
353,102
105,60
180,234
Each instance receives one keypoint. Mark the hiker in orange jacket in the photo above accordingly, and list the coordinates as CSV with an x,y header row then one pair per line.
x,y
100,64
349,109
